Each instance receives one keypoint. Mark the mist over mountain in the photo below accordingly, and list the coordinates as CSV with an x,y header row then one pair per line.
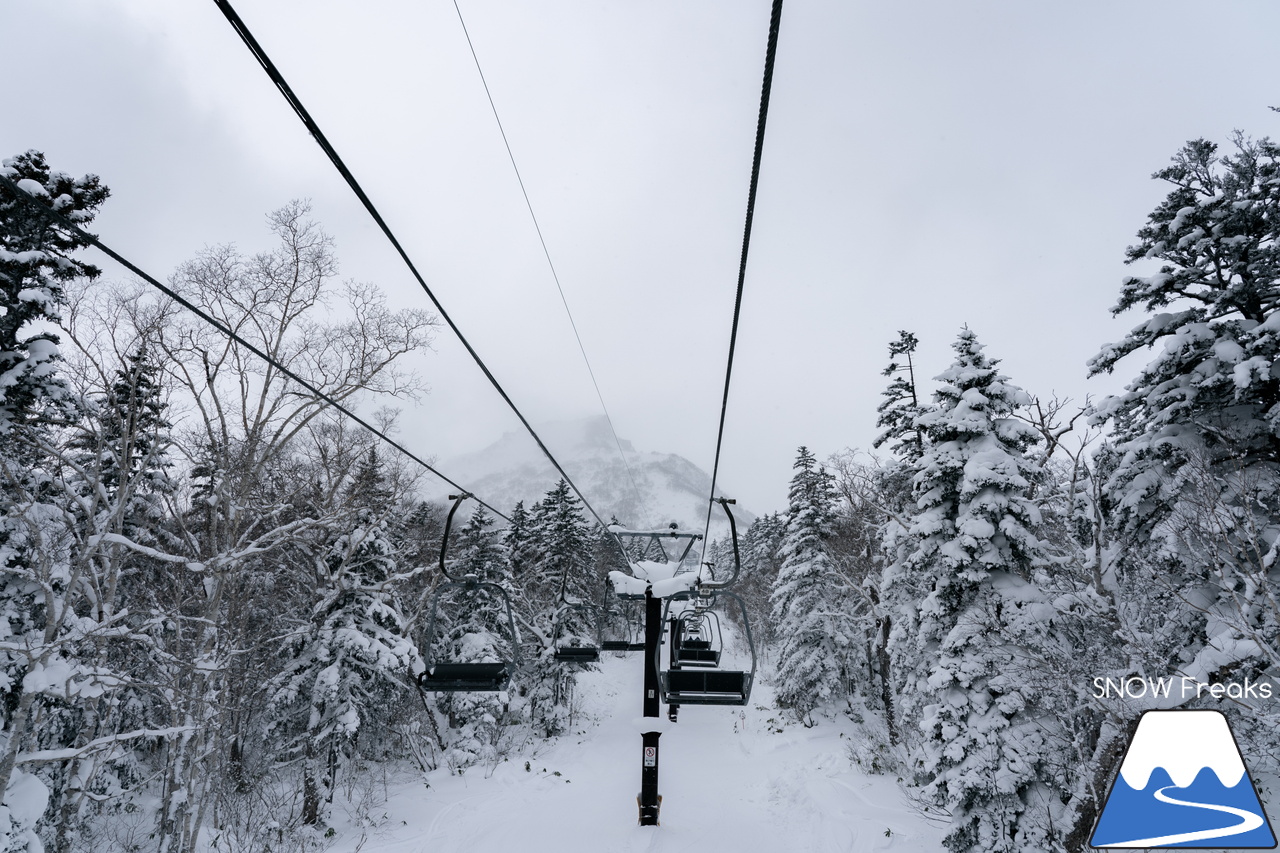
x,y
667,487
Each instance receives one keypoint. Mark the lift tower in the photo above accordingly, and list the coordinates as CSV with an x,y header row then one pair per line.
x,y
652,580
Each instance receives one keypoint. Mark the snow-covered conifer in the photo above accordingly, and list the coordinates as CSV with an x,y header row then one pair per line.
x,y
35,264
40,662
564,544
970,605
902,405
758,550
1217,235
522,550
353,647
126,443
1196,488
813,633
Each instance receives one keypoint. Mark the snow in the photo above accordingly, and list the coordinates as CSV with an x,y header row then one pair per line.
x,y
652,570
27,798
732,779
51,676
32,187
660,576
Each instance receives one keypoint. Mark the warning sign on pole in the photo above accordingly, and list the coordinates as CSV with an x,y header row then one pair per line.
x,y
650,756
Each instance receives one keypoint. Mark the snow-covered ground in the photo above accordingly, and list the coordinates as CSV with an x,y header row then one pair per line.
x,y
732,779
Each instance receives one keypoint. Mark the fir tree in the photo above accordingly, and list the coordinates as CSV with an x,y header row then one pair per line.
x,y
974,554
479,553
564,542
127,447
901,406
354,646
369,486
1191,491
561,573
35,264
522,550
758,551
38,590
1213,390
813,632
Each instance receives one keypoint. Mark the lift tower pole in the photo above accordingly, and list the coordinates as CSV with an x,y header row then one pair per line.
x,y
649,799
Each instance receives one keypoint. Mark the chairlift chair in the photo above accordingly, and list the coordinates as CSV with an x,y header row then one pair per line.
x,y
705,683
465,677
576,654
618,641
704,651
712,685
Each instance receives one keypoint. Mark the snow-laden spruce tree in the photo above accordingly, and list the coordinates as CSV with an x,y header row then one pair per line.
x,y
813,627
564,545
970,609
352,650
126,443
40,588
758,550
901,406
1196,489
522,550
36,263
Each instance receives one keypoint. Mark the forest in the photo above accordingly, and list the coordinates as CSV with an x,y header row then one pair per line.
x,y
217,590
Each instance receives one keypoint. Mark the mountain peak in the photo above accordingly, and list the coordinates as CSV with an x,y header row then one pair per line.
x,y
667,487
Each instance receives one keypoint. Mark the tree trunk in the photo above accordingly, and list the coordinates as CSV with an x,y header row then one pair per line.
x,y
17,731
886,682
1106,757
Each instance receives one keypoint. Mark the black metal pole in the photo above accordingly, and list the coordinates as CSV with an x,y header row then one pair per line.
x,y
675,638
649,799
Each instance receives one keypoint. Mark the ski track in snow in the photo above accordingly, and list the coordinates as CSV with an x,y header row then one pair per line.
x,y
729,781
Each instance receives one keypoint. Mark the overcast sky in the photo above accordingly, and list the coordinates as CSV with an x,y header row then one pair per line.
x,y
927,165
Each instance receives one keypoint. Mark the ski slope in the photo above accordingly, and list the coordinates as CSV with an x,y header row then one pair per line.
x,y
732,779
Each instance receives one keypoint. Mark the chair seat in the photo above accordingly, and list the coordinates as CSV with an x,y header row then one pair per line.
x,y
577,654
621,646
697,657
465,677
706,687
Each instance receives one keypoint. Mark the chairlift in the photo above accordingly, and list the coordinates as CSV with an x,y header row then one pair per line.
x,y
565,652
468,677
706,683
569,653
624,640
638,544
700,640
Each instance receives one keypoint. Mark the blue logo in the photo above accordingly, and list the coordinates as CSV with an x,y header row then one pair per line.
x,y
1183,783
